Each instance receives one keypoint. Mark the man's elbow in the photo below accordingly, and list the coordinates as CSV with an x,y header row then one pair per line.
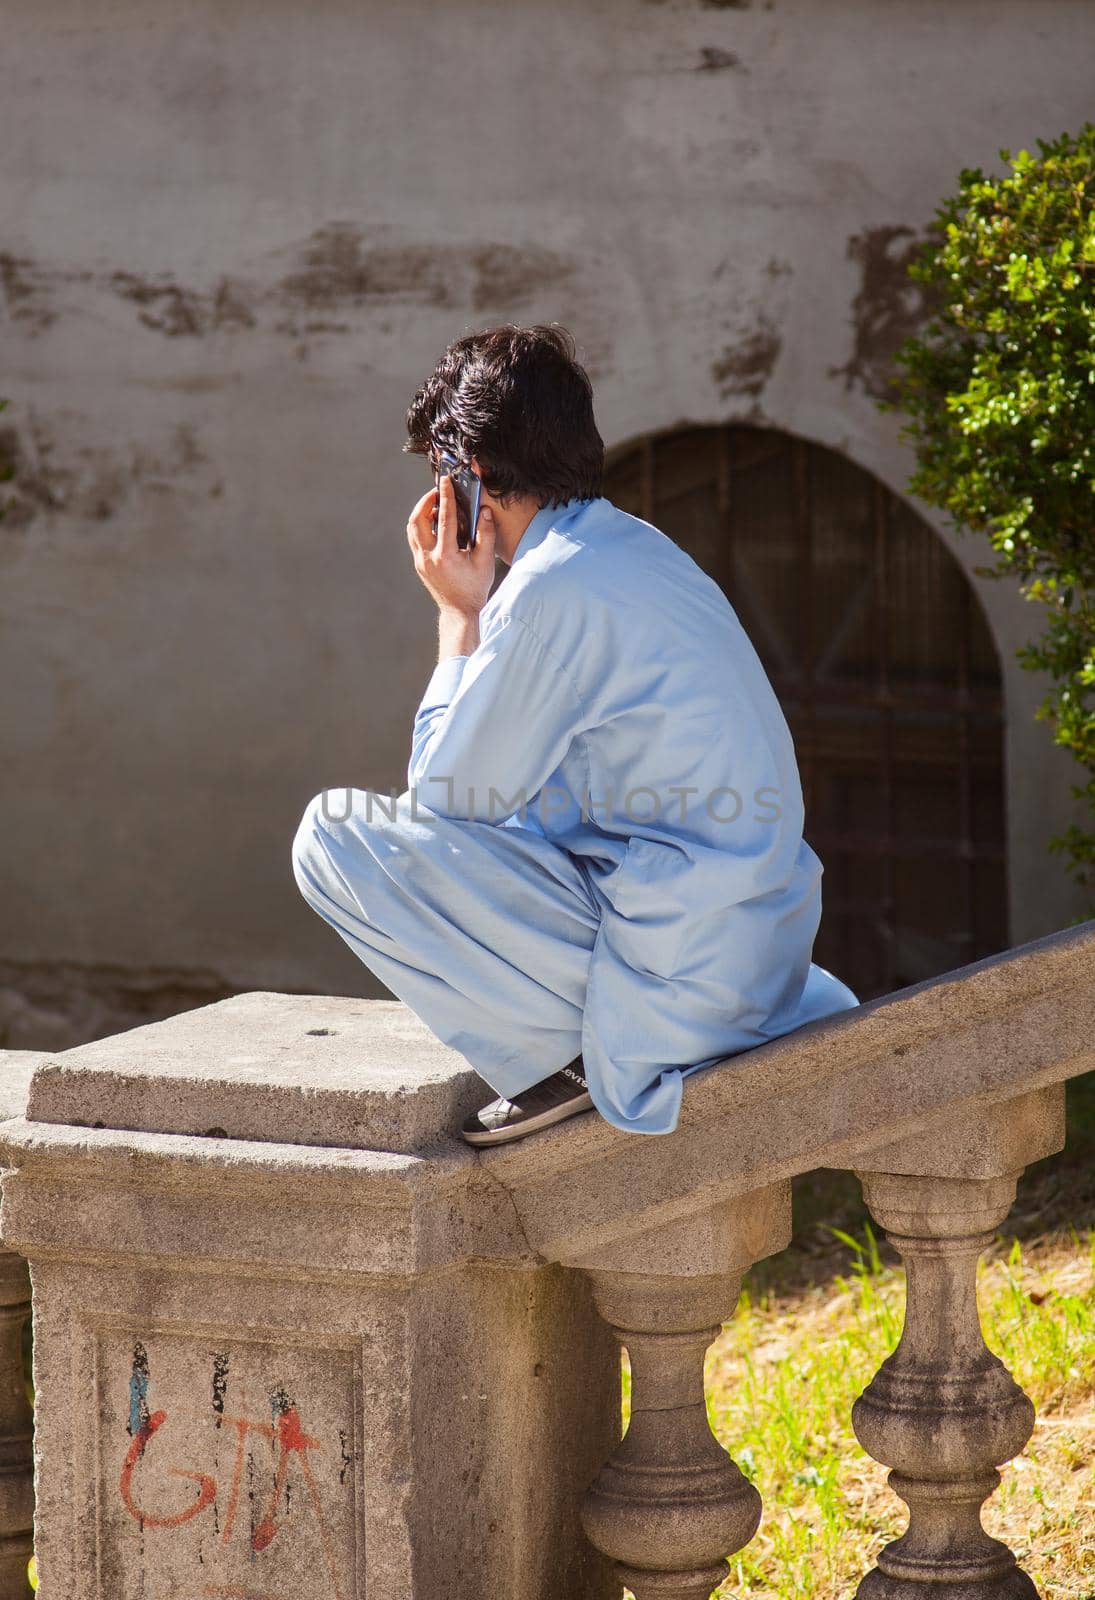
x,y
460,798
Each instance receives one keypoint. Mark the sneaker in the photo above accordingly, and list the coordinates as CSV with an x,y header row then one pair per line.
x,y
562,1095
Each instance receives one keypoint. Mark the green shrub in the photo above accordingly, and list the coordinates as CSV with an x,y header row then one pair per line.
x,y
999,394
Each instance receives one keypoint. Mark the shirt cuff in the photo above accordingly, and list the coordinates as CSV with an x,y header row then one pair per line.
x,y
444,682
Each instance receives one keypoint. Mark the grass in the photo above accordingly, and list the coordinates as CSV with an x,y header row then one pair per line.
x,y
814,1325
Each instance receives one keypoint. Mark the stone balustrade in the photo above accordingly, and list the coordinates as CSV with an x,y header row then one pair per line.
x,y
291,1334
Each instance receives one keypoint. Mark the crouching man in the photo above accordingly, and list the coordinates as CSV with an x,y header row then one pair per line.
x,y
597,881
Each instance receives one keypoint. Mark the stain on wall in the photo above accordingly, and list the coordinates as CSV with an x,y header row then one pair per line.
x,y
89,483
748,338
338,269
30,488
47,469
340,266
512,275
23,295
888,307
712,59
745,365
28,291
175,311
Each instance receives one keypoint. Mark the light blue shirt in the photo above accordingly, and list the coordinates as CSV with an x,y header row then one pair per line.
x,y
616,705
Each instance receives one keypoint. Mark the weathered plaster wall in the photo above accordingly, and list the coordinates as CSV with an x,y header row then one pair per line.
x,y
234,239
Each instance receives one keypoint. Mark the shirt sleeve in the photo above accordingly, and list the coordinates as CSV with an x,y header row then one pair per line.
x,y
493,726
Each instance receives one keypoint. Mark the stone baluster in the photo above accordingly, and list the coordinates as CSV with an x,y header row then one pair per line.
x,y
16,1469
943,1412
670,1505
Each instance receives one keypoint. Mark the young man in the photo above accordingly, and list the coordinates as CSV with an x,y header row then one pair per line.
x,y
596,882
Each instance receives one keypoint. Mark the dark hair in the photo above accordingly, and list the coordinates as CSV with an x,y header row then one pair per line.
x,y
520,402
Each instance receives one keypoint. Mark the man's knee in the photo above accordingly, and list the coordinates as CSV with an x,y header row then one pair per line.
x,y
308,853
340,827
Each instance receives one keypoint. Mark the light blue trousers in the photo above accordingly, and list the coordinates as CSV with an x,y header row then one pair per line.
x,y
484,931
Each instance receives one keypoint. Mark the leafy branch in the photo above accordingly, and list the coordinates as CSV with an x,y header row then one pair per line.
x,y
998,390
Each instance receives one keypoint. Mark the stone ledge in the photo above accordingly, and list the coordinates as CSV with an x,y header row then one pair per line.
x,y
287,1069
196,1204
171,1163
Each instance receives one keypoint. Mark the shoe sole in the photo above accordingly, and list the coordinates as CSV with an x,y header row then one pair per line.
x,y
543,1119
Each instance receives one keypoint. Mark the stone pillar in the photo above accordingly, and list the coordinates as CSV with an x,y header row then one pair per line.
x,y
670,1505
943,1412
292,1340
16,1467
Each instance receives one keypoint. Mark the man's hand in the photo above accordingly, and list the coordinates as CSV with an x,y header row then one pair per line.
x,y
459,580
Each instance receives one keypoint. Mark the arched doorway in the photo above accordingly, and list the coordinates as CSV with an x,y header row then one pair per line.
x,y
883,662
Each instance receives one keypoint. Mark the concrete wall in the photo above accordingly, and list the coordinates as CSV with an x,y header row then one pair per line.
x,y
232,242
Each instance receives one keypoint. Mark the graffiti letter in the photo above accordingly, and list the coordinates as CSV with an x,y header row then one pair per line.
x,y
207,1491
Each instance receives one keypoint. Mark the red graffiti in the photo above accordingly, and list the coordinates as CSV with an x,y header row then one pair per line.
x,y
290,1442
291,1439
207,1493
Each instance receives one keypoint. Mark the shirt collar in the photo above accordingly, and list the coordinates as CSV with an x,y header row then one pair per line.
x,y
543,521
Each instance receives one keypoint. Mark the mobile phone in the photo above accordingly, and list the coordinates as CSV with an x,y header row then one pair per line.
x,y
466,491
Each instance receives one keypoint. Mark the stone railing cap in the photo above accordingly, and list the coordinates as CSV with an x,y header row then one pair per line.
x,y
288,1069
